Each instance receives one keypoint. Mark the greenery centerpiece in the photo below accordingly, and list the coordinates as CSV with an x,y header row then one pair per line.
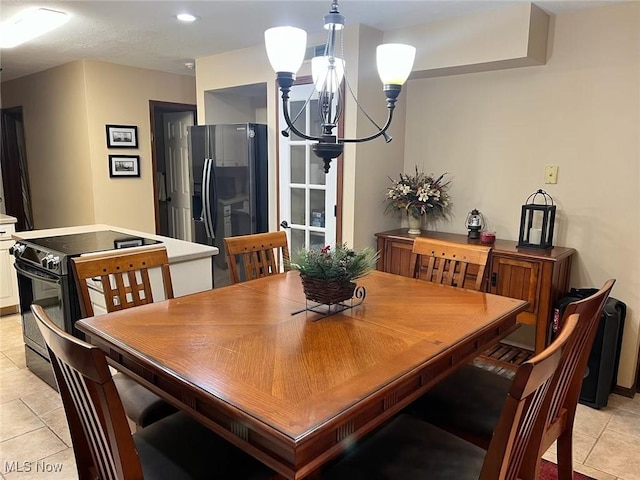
x,y
327,274
420,195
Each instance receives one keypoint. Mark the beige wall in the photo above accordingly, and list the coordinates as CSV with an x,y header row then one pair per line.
x,y
118,94
368,166
496,131
57,144
512,35
235,108
65,113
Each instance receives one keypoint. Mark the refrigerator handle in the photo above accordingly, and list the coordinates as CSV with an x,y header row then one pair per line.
x,y
206,198
213,209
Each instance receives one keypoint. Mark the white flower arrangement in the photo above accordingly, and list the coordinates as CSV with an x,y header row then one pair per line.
x,y
421,194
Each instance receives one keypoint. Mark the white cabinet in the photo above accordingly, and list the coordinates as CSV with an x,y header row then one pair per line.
x,y
8,279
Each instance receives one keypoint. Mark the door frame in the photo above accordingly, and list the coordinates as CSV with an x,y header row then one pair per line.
x,y
337,162
156,109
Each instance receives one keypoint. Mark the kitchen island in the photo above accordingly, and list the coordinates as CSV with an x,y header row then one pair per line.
x,y
190,263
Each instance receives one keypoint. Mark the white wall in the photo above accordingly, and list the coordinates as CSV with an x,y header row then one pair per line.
x,y
496,131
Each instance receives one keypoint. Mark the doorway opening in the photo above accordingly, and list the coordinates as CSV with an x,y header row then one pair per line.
x,y
167,140
15,198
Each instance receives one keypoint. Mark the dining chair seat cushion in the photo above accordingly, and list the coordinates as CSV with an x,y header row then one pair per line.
x,y
140,404
468,401
409,449
180,448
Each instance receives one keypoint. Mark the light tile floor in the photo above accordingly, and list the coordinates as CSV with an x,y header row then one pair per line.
x,y
35,442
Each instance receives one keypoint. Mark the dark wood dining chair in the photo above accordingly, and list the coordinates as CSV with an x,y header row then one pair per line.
x,y
468,403
409,448
260,255
124,277
449,263
174,448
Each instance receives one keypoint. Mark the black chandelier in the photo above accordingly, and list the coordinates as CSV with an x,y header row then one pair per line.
x,y
286,48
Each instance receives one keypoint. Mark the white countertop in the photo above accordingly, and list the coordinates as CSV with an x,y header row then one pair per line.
x,y
4,219
177,250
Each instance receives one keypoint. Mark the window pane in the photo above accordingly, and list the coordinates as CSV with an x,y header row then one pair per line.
x,y
301,122
317,208
316,170
316,240
298,163
297,240
314,118
298,214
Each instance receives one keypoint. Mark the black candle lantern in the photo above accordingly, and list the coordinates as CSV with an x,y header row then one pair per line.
x,y
537,220
474,222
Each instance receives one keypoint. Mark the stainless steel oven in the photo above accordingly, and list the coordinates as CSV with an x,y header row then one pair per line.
x,y
56,294
45,278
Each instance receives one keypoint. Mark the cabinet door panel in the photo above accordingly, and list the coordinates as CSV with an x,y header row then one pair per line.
x,y
8,279
397,258
516,279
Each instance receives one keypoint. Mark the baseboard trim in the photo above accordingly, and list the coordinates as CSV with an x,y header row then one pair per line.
x,y
10,310
624,391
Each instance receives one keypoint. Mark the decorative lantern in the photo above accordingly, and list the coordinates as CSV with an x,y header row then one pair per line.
x,y
537,220
474,222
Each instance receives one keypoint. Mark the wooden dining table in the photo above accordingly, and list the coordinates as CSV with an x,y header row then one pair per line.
x,y
296,390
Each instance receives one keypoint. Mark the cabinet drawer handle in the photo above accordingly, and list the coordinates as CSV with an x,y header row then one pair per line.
x,y
494,279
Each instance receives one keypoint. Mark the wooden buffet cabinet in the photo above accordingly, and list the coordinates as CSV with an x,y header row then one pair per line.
x,y
538,276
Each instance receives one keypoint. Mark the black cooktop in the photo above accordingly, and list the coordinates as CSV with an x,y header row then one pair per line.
x,y
78,243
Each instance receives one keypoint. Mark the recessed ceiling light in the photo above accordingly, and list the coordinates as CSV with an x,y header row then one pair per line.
x,y
185,17
30,24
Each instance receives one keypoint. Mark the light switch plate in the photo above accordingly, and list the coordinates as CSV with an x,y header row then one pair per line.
x,y
551,174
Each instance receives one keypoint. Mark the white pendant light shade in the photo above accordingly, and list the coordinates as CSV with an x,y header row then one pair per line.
x,y
285,48
326,76
395,62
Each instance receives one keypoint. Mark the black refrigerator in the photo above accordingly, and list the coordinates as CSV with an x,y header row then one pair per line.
x,y
229,190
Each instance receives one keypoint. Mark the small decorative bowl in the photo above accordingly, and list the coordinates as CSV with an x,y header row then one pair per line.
x,y
487,237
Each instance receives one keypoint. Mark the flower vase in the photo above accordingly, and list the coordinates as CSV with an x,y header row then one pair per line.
x,y
414,224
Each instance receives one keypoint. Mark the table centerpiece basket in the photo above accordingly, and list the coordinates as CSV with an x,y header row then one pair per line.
x,y
328,274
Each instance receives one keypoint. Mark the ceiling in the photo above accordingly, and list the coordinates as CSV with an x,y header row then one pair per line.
x,y
146,33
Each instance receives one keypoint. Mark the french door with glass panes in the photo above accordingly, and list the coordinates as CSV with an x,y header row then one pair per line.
x,y
307,194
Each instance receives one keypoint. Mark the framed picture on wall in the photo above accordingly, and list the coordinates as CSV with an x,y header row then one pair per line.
x,y
122,136
124,165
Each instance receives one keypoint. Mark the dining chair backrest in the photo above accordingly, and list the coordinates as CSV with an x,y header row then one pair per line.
x,y
525,408
102,441
124,275
260,254
448,263
567,381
